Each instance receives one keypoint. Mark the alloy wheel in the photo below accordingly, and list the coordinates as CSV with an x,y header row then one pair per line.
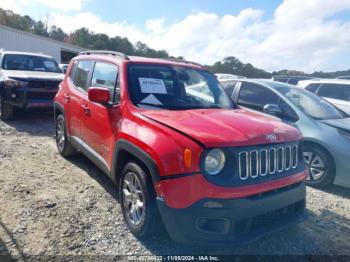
x,y
316,165
60,135
133,199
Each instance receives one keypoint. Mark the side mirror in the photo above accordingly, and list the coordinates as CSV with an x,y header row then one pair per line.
x,y
272,109
99,95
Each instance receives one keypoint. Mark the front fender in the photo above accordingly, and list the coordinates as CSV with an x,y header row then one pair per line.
x,y
141,155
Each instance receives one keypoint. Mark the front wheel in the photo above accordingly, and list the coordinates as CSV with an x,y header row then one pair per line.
x,y
321,166
64,147
6,111
138,201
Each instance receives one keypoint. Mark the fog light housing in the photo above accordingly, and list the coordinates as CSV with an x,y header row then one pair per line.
x,y
215,226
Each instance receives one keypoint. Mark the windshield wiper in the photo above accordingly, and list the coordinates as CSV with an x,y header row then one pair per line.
x,y
154,105
199,107
173,107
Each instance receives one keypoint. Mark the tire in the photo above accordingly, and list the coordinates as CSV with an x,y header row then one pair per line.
x,y
64,147
136,187
321,166
6,111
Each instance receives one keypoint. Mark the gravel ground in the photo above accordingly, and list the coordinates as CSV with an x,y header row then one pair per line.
x,y
57,207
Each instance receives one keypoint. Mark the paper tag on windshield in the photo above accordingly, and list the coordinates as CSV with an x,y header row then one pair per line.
x,y
152,86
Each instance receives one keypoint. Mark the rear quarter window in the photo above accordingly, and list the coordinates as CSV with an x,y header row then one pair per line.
x,y
313,88
81,76
72,71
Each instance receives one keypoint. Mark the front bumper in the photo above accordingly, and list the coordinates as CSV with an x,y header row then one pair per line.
x,y
235,221
27,97
341,156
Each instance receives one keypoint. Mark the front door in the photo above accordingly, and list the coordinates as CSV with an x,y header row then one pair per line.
x,y
100,122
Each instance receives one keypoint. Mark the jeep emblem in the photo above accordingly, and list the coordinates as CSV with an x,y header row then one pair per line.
x,y
271,138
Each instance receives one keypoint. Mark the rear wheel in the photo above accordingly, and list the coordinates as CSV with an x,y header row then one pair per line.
x,y
321,166
138,201
6,111
64,147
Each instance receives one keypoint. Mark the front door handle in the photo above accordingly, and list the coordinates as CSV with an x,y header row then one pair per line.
x,y
86,109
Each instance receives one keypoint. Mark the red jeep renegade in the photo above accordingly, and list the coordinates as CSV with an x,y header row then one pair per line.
x,y
182,153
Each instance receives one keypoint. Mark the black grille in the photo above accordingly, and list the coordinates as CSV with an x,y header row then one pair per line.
x,y
41,95
50,84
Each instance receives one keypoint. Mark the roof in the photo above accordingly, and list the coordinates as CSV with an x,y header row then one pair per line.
x,y
297,77
24,53
324,81
117,56
267,82
228,76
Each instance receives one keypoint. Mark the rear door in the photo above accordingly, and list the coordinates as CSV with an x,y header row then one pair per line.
x,y
100,122
77,83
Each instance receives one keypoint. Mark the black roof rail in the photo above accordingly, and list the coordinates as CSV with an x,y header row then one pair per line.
x,y
105,52
183,61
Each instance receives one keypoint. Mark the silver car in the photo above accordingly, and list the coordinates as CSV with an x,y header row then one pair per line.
x,y
325,128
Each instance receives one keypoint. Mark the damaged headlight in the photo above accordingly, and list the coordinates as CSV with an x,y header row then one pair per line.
x,y
15,83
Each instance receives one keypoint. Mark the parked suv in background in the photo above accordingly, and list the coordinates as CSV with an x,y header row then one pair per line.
x,y
292,80
27,80
336,91
180,151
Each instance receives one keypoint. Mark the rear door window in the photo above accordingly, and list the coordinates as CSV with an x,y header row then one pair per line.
x,y
82,72
72,71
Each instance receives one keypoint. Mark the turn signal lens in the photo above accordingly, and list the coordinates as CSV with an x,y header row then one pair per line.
x,y
188,158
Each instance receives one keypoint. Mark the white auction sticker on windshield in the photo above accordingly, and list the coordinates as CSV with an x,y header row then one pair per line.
x,y
152,86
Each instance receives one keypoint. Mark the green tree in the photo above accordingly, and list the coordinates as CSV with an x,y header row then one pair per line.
x,y
57,33
121,45
83,38
40,29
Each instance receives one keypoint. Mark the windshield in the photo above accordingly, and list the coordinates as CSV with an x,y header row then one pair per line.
x,y
177,88
312,105
29,63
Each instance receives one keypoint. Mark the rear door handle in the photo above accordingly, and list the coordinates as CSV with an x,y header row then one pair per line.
x,y
86,109
67,97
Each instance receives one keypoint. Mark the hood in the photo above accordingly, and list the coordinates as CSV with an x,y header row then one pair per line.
x,y
223,128
343,123
31,75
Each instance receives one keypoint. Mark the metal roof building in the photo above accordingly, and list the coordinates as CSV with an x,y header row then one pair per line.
x,y
16,40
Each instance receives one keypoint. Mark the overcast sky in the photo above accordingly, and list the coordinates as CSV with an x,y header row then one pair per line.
x,y
304,35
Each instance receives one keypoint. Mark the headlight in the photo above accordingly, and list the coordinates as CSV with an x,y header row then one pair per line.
x,y
344,133
15,83
214,162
